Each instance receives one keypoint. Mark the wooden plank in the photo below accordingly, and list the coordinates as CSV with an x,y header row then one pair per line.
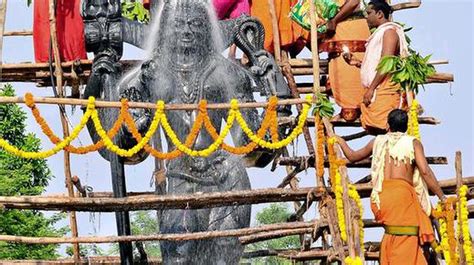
x,y
155,202
18,33
365,163
340,122
406,5
160,237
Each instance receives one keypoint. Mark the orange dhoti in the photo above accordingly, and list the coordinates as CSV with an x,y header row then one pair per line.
x,y
293,37
387,98
345,79
399,207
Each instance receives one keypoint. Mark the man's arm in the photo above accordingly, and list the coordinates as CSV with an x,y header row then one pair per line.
x,y
346,10
390,47
426,172
358,155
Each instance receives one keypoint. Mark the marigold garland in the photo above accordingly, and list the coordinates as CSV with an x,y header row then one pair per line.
x,y
70,148
353,194
277,145
175,153
269,118
320,146
413,126
448,242
464,224
270,122
338,191
58,147
353,261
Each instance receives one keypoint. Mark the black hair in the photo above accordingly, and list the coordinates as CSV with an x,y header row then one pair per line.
x,y
398,120
381,5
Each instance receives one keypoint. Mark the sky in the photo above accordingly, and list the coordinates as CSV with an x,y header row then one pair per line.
x,y
440,27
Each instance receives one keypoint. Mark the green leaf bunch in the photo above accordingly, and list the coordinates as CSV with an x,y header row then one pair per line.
x,y
323,106
410,72
135,11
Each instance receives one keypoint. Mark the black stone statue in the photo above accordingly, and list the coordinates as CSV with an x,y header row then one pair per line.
x,y
184,65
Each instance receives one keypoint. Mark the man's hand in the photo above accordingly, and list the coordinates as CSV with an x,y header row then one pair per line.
x,y
369,94
331,28
350,60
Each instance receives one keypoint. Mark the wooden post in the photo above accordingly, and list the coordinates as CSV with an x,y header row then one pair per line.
x,y
3,14
316,85
286,70
60,91
314,48
275,29
459,183
352,242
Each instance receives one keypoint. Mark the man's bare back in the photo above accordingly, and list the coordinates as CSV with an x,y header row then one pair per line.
x,y
398,170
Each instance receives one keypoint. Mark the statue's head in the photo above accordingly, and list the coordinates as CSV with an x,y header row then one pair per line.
x,y
186,27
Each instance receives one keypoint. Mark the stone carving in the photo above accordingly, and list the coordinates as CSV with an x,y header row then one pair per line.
x,y
184,65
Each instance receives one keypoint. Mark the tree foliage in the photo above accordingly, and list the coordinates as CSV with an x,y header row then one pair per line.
x,y
275,213
23,177
143,223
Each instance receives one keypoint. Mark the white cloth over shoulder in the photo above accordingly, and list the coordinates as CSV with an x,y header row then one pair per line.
x,y
373,51
401,150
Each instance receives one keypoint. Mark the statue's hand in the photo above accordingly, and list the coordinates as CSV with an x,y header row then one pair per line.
x,y
265,63
102,26
94,9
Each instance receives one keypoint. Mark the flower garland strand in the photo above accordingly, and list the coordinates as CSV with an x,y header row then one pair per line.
x,y
320,146
337,188
353,261
175,153
464,224
70,148
270,122
446,215
353,194
413,126
277,145
269,118
58,147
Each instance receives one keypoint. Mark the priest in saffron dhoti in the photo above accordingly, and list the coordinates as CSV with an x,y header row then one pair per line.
x,y
381,94
399,199
347,29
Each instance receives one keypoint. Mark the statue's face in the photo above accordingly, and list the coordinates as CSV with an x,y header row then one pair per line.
x,y
191,27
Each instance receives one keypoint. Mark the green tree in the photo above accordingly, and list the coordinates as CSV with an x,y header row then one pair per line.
x,y
143,223
275,213
23,177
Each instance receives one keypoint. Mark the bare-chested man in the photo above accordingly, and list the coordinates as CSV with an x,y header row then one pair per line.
x,y
399,199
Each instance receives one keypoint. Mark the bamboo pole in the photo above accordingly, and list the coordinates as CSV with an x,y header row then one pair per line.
x,y
365,163
3,14
148,202
339,122
448,186
145,105
61,93
275,29
159,237
406,5
18,32
286,70
459,183
314,47
352,242
245,240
